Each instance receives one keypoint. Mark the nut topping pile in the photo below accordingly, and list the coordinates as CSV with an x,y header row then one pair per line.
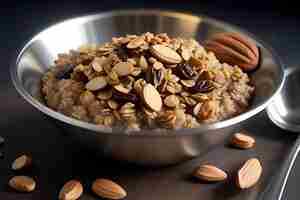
x,y
149,81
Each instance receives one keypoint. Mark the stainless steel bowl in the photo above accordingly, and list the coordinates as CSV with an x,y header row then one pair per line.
x,y
145,147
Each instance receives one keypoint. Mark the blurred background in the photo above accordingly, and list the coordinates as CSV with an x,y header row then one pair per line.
x,y
274,21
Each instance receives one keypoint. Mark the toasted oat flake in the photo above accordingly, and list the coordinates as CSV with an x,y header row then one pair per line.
x,y
135,43
152,60
158,65
104,95
132,61
171,101
96,83
188,83
138,85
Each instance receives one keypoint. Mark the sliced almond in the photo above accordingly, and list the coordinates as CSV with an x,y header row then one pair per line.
x,y
143,63
135,43
242,141
72,190
249,174
98,63
158,65
210,173
22,183
152,97
165,54
197,108
132,61
171,101
108,189
97,83
188,83
21,162
112,104
123,68
121,88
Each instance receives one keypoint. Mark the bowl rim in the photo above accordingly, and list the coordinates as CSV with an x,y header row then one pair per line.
x,y
178,132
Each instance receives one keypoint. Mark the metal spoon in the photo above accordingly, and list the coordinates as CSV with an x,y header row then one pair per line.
x,y
284,111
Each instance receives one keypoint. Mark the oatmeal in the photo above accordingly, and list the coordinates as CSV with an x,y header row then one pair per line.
x,y
146,81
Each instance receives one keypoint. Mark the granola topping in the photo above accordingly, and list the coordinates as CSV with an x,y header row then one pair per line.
x,y
146,81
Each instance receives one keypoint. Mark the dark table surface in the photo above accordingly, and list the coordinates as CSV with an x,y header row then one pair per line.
x,y
57,159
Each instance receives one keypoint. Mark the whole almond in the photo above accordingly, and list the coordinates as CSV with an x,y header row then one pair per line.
x,y
242,141
210,173
123,68
249,174
97,83
234,49
108,189
22,162
165,54
151,97
72,190
22,183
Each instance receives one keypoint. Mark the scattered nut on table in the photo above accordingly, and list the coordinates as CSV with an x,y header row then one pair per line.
x,y
22,183
210,173
242,141
22,162
71,190
108,189
249,174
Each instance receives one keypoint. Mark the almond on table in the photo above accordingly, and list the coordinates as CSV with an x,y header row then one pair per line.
x,y
22,162
242,141
210,173
71,190
249,174
108,189
22,183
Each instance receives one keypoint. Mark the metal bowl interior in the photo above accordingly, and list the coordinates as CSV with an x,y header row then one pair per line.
x,y
39,53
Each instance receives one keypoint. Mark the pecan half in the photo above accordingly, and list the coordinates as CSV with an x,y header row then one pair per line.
x,y
234,49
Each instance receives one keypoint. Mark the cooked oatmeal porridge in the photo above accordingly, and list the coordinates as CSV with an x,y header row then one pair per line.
x,y
146,81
